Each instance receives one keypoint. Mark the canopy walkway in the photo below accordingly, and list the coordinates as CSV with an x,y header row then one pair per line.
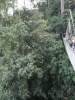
x,y
69,39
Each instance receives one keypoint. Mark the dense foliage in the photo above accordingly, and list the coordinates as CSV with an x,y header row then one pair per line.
x,y
33,61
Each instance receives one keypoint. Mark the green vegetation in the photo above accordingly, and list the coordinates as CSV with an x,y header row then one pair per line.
x,y
33,61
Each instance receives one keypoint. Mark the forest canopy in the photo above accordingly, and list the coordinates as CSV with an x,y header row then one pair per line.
x,y
33,61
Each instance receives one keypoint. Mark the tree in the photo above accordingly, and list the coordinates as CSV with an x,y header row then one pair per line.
x,y
33,62
22,49
5,5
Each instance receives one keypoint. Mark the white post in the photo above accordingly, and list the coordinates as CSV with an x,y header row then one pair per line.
x,y
62,6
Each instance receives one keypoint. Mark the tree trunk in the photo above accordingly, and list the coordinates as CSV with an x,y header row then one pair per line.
x,y
47,3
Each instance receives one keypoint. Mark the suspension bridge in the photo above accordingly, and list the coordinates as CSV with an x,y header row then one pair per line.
x,y
69,38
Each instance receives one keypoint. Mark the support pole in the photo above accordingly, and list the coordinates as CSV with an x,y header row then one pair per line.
x,y
24,3
62,10
62,6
